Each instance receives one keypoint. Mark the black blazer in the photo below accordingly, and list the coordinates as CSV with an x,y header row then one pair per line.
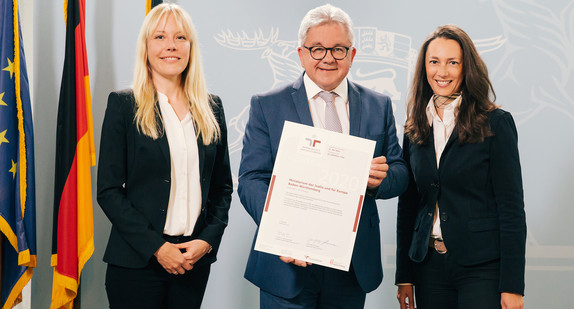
x,y
479,191
134,183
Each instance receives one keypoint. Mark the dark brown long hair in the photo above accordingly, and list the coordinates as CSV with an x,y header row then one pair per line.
x,y
477,93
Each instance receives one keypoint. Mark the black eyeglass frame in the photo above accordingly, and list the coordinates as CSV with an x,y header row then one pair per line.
x,y
326,50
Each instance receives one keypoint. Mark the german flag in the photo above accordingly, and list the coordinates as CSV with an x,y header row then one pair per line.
x,y
150,4
17,194
73,234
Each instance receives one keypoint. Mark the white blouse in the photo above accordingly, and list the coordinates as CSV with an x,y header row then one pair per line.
x,y
185,192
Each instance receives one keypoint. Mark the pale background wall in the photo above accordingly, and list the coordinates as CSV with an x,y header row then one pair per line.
x,y
249,46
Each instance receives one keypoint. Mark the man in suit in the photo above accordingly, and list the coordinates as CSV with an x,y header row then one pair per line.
x,y
326,53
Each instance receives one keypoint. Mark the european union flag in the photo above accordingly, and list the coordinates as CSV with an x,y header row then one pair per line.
x,y
17,190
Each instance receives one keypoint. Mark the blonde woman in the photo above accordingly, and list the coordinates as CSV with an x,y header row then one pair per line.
x,y
164,179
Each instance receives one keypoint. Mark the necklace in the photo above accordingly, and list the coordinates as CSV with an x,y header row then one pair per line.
x,y
440,101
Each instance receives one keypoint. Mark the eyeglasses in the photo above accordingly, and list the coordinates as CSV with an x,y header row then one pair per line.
x,y
319,52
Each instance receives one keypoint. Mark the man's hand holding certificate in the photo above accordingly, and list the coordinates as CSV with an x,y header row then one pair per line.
x,y
315,196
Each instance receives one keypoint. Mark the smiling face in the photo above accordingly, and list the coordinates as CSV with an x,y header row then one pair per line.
x,y
443,63
327,73
168,50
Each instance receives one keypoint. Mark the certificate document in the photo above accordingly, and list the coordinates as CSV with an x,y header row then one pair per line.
x,y
315,197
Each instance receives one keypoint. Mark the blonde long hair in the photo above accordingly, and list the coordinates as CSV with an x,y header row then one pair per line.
x,y
148,116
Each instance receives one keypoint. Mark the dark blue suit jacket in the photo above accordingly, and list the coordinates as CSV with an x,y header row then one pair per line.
x,y
371,117
479,191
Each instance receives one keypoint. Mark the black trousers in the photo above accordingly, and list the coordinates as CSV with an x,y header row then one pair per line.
x,y
326,288
154,288
440,283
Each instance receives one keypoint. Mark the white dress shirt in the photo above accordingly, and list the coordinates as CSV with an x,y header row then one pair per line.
x,y
442,129
185,191
317,105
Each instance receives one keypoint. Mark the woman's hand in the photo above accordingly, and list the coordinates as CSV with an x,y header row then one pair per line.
x,y
511,301
194,250
405,296
172,260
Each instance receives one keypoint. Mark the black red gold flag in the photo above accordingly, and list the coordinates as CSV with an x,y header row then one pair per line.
x,y
73,229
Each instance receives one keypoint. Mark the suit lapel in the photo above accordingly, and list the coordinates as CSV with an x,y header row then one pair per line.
x,y
451,140
201,153
453,137
162,140
355,109
430,152
299,96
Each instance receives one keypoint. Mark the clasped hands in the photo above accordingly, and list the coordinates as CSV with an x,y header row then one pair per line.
x,y
174,261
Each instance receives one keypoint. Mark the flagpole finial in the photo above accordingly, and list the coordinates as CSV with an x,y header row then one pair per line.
x,y
151,4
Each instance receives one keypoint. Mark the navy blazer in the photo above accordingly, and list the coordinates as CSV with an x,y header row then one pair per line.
x,y
134,174
371,117
479,192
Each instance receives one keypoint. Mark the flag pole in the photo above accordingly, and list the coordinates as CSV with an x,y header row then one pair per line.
x,y
1,254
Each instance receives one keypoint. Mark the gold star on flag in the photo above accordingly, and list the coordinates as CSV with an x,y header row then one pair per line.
x,y
1,101
9,68
3,137
13,169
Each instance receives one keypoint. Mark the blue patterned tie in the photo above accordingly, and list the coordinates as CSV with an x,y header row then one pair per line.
x,y
332,121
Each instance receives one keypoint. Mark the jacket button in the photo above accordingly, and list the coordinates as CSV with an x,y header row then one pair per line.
x,y
429,214
443,216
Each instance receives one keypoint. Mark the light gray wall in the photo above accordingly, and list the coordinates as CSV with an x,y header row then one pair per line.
x,y
528,46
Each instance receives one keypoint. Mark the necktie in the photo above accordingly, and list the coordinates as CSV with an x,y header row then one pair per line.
x,y
332,121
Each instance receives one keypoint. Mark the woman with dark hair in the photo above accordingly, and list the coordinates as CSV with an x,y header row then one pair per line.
x,y
164,179
461,227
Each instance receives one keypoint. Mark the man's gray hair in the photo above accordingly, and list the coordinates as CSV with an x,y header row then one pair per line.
x,y
322,15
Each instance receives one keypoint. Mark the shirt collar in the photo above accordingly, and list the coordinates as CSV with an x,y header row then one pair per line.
x,y
312,89
162,98
168,113
164,106
450,109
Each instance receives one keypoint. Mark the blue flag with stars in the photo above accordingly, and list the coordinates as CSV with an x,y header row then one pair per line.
x,y
17,189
